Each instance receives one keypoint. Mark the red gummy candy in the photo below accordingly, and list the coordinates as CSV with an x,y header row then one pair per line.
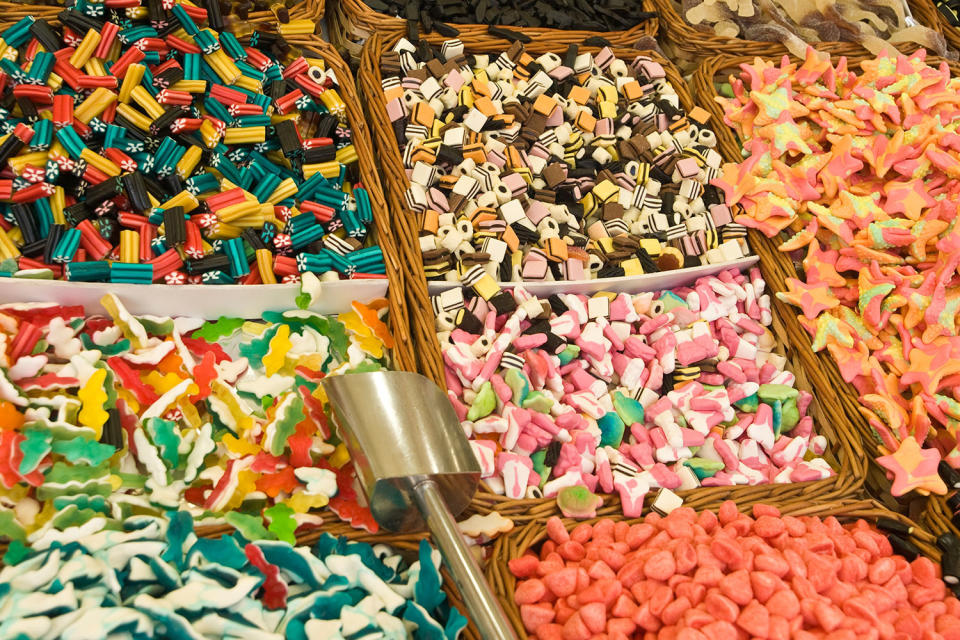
x,y
273,592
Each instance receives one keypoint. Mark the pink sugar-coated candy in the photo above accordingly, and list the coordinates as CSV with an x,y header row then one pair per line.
x,y
600,570
562,583
674,611
582,532
754,619
737,587
571,550
529,591
769,526
720,606
524,566
534,616
660,566
550,632
556,531
594,616
764,585
620,628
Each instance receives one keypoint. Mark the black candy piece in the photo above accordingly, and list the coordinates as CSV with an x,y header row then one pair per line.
x,y
894,526
508,34
903,547
112,433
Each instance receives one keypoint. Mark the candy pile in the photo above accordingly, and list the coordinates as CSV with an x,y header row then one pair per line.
x,y
143,147
565,167
626,392
861,168
609,15
874,25
130,415
156,579
727,575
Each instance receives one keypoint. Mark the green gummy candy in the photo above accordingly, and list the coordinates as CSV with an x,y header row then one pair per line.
x,y
367,366
9,266
224,550
282,524
768,393
17,551
671,301
34,447
538,401
284,424
611,429
256,349
339,340
167,440
748,404
71,516
213,331
95,503
777,417
250,527
725,89
82,451
704,468
11,530
790,415
484,404
577,502
121,346
157,326
41,347
518,384
629,409
567,355
539,465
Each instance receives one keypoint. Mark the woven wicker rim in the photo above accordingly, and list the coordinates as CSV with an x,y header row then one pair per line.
x,y
518,542
829,416
688,38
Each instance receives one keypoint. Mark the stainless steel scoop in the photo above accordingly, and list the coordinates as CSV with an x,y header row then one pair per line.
x,y
416,467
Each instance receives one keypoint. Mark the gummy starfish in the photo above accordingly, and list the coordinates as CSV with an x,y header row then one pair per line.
x,y
908,198
811,298
929,364
913,468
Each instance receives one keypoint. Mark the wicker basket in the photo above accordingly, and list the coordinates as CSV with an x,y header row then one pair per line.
x,y
950,32
516,543
828,414
355,22
687,38
777,266
304,10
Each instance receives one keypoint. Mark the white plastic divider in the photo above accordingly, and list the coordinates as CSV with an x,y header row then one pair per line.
x,y
205,301
624,284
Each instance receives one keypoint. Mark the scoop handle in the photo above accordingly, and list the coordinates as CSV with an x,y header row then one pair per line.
x,y
485,611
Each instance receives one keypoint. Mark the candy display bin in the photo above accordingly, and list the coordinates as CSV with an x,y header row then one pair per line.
x,y
168,297
778,267
356,22
312,10
518,542
843,451
687,39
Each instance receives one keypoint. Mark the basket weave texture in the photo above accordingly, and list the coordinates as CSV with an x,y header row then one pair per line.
x,y
843,452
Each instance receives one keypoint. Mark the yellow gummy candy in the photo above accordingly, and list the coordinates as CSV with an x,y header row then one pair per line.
x,y
313,361
225,395
115,481
370,344
301,502
190,414
130,399
131,327
339,457
353,322
162,382
254,328
93,398
43,517
239,445
277,353
246,484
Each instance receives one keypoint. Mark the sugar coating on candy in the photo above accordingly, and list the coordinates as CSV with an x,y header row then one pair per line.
x,y
567,166
202,428
153,149
573,396
867,205
795,23
153,577
720,575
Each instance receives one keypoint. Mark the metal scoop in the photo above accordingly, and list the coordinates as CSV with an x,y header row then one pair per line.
x,y
416,467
